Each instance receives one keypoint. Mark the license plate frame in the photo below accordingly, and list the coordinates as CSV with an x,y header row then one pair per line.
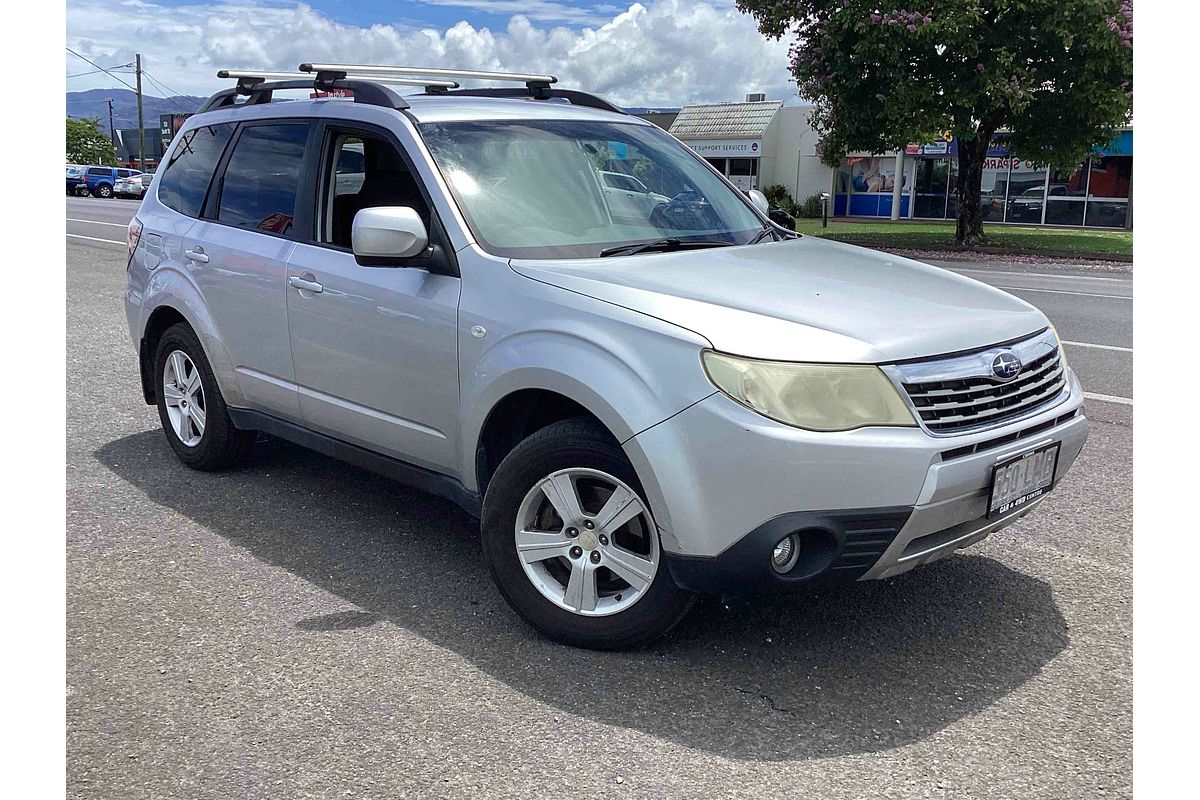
x,y
1035,489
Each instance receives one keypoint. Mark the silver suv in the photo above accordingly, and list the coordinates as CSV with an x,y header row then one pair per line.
x,y
641,397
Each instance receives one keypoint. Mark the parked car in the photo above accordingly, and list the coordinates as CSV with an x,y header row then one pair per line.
x,y
775,214
627,196
101,181
637,409
133,186
75,177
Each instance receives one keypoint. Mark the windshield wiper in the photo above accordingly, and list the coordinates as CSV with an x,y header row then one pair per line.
x,y
668,243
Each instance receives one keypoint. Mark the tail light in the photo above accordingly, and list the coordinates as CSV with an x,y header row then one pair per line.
x,y
135,235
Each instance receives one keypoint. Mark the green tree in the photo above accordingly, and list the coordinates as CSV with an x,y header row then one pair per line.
x,y
87,145
1058,74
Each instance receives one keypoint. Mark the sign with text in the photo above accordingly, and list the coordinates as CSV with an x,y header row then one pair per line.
x,y
726,148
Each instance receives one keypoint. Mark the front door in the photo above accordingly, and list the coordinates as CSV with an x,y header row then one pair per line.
x,y
375,348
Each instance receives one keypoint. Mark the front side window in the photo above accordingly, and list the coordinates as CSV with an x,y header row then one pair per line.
x,y
190,169
258,190
363,171
544,189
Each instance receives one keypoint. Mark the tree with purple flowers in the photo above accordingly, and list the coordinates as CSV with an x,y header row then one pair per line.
x,y
1056,74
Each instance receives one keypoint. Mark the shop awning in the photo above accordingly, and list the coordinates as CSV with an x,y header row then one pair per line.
x,y
725,120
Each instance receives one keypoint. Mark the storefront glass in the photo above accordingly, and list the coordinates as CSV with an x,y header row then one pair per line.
x,y
743,172
1026,191
1094,193
994,188
1109,181
930,185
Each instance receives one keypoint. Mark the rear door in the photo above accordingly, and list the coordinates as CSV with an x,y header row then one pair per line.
x,y
239,251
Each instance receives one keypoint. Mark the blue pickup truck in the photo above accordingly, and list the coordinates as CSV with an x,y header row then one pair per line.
x,y
95,180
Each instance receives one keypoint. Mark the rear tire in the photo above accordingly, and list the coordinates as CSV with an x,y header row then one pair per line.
x,y
190,406
580,576
105,191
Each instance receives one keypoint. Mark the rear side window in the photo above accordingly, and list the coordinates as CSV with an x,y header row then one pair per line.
x,y
99,171
187,174
258,190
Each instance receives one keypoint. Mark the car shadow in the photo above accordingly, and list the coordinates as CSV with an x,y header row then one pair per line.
x,y
814,674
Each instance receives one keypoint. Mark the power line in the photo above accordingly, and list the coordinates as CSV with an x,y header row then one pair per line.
x,y
167,90
97,66
93,72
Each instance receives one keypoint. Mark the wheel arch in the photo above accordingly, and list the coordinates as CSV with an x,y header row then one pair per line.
x,y
515,417
170,297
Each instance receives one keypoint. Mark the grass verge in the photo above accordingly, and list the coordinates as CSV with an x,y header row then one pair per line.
x,y
1002,239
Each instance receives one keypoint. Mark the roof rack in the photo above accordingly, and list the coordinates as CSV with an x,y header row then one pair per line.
x,y
258,76
537,87
532,81
368,83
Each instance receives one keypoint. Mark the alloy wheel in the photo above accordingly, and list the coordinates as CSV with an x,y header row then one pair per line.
x,y
183,394
587,542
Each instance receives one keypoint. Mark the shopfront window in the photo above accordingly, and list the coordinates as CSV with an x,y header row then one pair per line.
x,y
743,172
994,188
1109,182
870,181
1026,191
1065,195
932,176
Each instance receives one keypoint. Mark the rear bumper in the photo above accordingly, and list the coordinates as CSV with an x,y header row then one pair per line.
x,y
725,485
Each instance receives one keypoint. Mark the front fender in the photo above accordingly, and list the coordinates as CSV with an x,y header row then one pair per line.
x,y
630,376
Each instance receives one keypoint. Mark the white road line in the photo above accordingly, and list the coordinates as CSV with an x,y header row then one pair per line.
x,y
1063,291
98,222
1108,398
94,239
1040,275
1099,346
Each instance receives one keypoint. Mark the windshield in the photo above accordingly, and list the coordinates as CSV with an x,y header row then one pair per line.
x,y
557,189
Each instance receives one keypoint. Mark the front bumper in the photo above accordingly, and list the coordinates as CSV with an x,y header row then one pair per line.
x,y
725,484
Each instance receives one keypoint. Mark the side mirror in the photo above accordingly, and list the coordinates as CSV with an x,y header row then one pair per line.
x,y
379,236
760,200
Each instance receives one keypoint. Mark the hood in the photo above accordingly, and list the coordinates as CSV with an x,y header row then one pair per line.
x,y
806,299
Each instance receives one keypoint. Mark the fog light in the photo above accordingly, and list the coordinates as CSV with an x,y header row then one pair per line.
x,y
783,557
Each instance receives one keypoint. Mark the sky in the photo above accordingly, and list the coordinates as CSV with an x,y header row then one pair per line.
x,y
651,53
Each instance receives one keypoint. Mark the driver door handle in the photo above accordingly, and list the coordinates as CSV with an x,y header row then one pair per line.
x,y
296,282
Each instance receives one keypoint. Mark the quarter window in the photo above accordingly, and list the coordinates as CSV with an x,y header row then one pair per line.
x,y
258,191
190,169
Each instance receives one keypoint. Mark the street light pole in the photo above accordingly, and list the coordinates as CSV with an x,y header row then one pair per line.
x,y
112,132
141,127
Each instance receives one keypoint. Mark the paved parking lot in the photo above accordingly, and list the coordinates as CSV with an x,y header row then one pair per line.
x,y
301,628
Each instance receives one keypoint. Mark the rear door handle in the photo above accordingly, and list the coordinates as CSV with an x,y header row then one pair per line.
x,y
296,282
196,254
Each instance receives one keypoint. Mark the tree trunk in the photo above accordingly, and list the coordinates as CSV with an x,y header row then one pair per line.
x,y
968,230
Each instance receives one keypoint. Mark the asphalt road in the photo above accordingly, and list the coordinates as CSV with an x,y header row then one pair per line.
x,y
300,628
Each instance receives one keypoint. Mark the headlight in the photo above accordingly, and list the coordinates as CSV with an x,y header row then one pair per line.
x,y
1062,350
816,397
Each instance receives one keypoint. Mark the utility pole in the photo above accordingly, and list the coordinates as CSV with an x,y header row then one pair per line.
x,y
112,132
141,127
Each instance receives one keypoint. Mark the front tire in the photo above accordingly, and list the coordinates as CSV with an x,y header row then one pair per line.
x,y
190,406
572,544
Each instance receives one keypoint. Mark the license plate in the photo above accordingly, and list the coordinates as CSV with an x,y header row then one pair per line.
x,y
1021,480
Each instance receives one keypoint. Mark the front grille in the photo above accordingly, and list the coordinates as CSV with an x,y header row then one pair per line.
x,y
961,404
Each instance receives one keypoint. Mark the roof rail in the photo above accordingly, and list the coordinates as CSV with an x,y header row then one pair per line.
x,y
574,97
259,90
533,81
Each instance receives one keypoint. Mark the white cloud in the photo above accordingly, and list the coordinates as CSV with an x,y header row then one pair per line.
x,y
660,53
